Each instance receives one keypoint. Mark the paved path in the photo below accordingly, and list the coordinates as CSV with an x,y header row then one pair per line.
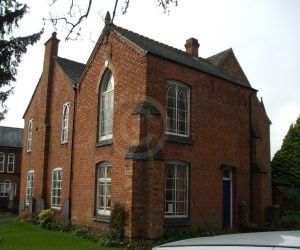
x,y
5,220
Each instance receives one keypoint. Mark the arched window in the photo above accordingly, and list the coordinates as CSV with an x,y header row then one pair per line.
x,y
106,106
65,123
11,163
176,190
2,161
29,136
178,109
103,189
56,188
29,186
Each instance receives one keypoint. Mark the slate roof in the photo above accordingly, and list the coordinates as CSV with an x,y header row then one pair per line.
x,y
11,137
71,68
175,55
218,58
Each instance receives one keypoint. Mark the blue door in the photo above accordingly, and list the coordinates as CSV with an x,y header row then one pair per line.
x,y
227,198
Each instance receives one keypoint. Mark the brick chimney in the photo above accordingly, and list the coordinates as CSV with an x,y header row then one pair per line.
x,y
51,49
192,46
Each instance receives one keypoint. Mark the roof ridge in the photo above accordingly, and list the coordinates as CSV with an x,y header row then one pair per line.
x,y
11,127
222,52
176,55
67,59
152,40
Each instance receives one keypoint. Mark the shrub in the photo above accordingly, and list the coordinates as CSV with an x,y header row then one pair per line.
x,y
45,217
292,197
287,222
116,230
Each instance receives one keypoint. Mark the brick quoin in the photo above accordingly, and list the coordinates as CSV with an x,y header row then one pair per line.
x,y
229,129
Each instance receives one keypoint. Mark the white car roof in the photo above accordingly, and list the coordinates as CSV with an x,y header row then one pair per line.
x,y
290,239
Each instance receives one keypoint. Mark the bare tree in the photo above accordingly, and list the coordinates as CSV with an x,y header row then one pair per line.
x,y
77,14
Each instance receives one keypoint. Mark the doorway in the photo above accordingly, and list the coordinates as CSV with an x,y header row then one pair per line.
x,y
227,198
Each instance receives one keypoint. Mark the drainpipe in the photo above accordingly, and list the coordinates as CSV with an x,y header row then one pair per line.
x,y
72,152
251,155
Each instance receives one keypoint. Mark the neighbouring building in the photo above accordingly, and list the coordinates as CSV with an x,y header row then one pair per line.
x,y
181,141
11,142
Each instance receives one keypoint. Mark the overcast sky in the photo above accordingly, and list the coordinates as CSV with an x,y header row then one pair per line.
x,y
264,35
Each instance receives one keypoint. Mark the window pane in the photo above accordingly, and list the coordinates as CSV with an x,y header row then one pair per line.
x,y
106,107
56,188
176,192
103,189
177,109
2,161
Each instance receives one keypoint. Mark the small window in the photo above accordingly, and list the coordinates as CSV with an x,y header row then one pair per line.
x,y
176,190
11,163
5,188
178,109
106,103
29,136
56,188
103,189
29,187
2,161
65,123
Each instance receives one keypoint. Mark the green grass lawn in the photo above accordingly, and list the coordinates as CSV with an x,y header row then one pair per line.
x,y
6,215
24,235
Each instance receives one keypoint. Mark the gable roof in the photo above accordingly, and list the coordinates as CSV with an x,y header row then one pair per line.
x,y
178,56
218,58
71,68
227,61
11,137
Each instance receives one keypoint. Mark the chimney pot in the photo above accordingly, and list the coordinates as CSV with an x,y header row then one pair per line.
x,y
192,46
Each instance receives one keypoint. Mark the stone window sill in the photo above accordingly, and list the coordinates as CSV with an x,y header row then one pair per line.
x,y
102,218
176,222
104,142
178,139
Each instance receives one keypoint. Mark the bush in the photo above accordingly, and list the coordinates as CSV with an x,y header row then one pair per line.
x,y
45,217
292,197
288,222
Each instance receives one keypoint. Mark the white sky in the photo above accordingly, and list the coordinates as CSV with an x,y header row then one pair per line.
x,y
264,34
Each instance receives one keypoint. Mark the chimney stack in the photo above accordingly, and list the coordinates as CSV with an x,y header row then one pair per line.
x,y
192,46
51,49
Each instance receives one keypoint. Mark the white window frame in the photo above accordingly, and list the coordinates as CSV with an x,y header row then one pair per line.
x,y
11,161
106,109
171,206
65,123
29,136
5,188
56,188
105,183
29,186
2,161
177,87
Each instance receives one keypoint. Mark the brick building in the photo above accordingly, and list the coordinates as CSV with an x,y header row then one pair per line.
x,y
11,142
181,141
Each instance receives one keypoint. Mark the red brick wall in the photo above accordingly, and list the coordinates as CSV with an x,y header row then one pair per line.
x,y
129,72
219,132
60,154
15,176
262,190
34,160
